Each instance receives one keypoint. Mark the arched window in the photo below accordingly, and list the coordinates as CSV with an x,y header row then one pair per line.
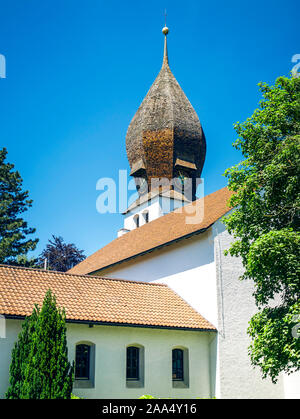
x,y
146,216
137,221
133,363
82,363
177,365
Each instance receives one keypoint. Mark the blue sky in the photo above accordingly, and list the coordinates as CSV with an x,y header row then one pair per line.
x,y
78,70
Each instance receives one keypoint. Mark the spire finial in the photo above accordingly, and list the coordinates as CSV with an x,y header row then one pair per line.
x,y
165,31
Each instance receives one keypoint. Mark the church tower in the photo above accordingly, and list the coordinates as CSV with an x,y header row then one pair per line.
x,y
166,149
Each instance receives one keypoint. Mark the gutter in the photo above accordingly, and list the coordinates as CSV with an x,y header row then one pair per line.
x,y
100,323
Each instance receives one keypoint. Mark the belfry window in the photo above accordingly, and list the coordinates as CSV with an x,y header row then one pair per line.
x,y
177,365
137,221
146,216
82,364
133,363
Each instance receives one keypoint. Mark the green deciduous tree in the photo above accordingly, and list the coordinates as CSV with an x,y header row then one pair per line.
x,y
13,202
40,368
265,223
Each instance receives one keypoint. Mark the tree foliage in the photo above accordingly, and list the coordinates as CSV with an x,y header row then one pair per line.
x,y
20,354
25,261
265,223
60,255
40,368
13,202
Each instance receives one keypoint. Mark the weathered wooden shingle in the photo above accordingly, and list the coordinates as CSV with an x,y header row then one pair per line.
x,y
164,129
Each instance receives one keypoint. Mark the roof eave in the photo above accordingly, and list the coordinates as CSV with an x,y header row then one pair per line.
x,y
103,323
194,233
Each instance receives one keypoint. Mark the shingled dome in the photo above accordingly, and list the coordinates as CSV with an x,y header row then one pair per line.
x,y
165,138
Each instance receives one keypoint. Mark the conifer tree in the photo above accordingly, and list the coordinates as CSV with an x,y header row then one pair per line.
x,y
13,202
45,371
20,355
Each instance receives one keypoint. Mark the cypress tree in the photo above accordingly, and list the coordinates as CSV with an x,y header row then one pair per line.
x,y
45,372
20,355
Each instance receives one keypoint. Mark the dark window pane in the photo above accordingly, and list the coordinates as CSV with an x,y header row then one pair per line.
x,y
82,365
133,361
177,364
137,221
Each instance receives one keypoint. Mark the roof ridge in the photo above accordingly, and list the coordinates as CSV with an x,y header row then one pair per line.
x,y
81,275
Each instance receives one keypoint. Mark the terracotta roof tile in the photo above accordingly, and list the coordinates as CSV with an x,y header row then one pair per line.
x,y
162,231
95,299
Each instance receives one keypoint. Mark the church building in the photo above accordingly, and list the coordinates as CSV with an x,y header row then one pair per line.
x,y
160,310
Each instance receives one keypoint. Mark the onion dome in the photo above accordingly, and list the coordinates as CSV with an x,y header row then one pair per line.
x,y
165,139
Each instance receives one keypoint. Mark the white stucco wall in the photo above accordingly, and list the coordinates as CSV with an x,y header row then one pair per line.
x,y
187,267
199,272
13,328
110,359
156,207
153,209
235,376
292,385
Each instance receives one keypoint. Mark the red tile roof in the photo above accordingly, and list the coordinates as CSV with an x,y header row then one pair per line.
x,y
160,232
97,300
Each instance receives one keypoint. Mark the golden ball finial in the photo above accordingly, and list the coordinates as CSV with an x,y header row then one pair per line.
x,y
165,31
